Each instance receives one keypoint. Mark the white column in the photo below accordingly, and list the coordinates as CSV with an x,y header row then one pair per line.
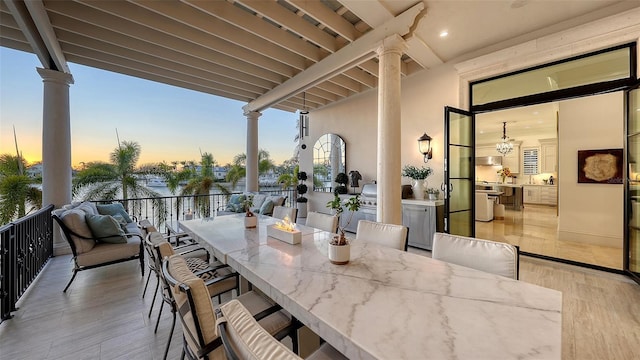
x,y
56,145
252,150
389,208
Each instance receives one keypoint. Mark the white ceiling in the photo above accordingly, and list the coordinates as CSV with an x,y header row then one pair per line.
x,y
267,53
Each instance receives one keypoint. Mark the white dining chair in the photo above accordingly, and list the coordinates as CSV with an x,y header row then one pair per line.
x,y
244,339
322,221
280,212
394,236
489,256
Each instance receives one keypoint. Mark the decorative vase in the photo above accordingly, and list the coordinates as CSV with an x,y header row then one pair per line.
x,y
250,221
503,178
339,254
418,187
433,196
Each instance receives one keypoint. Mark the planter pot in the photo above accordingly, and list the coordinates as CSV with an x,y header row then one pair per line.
x,y
250,221
302,209
339,254
433,196
419,187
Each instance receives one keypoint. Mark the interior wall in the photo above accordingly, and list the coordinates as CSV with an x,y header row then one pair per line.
x,y
590,213
424,96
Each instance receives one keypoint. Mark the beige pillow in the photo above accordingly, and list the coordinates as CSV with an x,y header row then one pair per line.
x,y
75,220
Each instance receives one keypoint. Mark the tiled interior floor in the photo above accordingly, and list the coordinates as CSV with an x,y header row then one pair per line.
x,y
535,230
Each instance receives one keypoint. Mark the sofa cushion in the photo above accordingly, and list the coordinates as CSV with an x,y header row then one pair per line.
x,y
75,220
113,209
266,208
277,200
89,208
258,200
106,228
104,252
235,203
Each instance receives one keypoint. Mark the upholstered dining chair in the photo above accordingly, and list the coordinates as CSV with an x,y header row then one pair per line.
x,y
244,339
188,249
280,212
322,221
197,313
220,278
394,236
489,256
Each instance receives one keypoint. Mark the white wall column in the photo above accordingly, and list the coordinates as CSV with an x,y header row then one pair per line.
x,y
56,145
389,208
252,150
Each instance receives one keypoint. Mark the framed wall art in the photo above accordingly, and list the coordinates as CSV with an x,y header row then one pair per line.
x,y
600,166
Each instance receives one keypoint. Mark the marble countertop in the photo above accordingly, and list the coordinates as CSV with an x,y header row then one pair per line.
x,y
390,304
482,183
224,234
422,202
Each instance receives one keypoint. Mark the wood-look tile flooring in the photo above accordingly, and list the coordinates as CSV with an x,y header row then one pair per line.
x,y
535,230
103,315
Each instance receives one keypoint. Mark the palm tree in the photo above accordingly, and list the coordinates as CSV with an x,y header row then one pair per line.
x,y
201,184
238,169
107,181
17,190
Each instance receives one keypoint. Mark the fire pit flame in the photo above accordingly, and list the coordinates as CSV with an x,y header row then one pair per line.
x,y
286,225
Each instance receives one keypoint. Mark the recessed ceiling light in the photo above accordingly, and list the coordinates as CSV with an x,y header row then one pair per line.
x,y
535,113
444,33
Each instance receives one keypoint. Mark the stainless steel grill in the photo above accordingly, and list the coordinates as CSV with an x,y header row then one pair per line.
x,y
369,196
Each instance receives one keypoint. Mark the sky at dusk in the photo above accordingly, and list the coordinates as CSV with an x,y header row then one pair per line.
x,y
169,123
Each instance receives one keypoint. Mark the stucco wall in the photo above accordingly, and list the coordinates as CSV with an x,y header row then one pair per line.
x,y
590,213
424,97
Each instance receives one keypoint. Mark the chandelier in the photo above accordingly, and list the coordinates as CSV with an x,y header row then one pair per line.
x,y
504,146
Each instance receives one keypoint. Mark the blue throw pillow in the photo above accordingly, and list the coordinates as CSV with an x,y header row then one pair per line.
x,y
106,228
267,207
235,203
113,209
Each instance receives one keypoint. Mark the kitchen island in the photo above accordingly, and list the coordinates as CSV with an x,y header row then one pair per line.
x,y
512,194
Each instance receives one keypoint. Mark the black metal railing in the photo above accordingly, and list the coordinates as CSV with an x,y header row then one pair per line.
x,y
165,211
25,247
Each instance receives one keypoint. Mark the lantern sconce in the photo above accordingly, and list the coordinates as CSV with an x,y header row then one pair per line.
x,y
424,145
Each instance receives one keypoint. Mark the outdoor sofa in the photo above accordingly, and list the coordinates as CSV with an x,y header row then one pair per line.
x,y
99,235
261,203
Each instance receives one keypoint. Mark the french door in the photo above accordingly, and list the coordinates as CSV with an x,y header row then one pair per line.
x,y
632,193
459,172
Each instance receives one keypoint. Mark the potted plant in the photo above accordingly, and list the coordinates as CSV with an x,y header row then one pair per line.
x,y
433,193
302,189
419,177
341,179
339,248
250,219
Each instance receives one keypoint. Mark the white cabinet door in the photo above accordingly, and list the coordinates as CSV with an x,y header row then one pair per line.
x,y
512,160
531,194
549,158
549,195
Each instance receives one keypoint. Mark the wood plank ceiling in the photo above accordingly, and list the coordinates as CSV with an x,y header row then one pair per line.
x,y
238,49
286,54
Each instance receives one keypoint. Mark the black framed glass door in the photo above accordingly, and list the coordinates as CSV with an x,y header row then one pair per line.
x,y
459,167
632,194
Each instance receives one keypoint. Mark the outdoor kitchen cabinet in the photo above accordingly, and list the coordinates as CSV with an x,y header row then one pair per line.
x,y
423,218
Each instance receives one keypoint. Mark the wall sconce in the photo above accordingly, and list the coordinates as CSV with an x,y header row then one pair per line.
x,y
424,145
